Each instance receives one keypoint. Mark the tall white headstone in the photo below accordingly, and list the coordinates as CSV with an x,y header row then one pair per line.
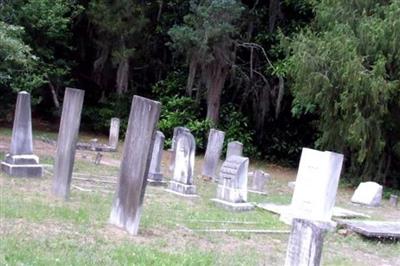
x,y
183,173
316,186
177,132
114,133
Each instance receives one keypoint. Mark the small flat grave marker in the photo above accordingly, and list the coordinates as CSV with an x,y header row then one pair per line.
x,y
373,228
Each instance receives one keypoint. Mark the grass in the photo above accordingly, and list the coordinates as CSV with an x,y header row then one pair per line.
x,y
37,229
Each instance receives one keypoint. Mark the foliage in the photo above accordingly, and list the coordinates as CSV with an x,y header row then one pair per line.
x,y
237,128
346,69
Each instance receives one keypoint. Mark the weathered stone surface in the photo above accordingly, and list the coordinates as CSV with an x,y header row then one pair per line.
x,y
20,161
305,243
114,133
234,148
232,188
66,143
373,228
177,132
260,179
394,200
155,174
316,186
183,173
128,200
368,193
213,153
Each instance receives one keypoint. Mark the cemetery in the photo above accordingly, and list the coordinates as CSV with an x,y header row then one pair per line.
x,y
118,209
201,132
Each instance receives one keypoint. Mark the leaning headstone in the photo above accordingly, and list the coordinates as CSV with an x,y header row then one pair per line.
x,y
177,132
155,177
260,179
127,205
316,186
232,187
114,133
183,173
368,193
213,153
20,161
66,143
234,148
305,243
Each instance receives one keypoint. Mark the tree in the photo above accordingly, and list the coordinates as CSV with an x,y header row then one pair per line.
x,y
206,39
346,69
119,28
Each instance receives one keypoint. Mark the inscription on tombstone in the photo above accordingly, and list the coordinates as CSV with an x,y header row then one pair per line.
x,y
114,133
213,153
316,186
20,161
232,189
66,143
155,174
305,243
183,173
234,148
128,199
177,132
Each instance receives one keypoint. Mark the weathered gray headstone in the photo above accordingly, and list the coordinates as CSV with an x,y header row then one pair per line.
x,y
260,179
213,153
305,243
183,173
114,133
177,132
316,186
394,200
232,187
155,175
234,148
128,200
20,161
66,142
368,193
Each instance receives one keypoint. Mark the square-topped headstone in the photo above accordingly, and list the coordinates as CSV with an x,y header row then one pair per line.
x,y
114,133
213,153
260,179
20,161
128,200
234,148
368,193
316,186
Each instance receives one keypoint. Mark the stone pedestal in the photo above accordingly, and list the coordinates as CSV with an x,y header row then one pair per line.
x,y
20,161
181,189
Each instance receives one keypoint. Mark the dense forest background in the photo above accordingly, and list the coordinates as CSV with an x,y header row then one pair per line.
x,y
276,75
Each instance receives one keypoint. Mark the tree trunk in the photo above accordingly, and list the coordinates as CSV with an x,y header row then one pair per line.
x,y
191,76
122,77
214,92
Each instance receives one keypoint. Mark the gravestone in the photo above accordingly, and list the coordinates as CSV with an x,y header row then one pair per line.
x,y
316,186
260,179
305,243
368,228
127,204
114,133
183,173
20,161
155,177
177,132
66,142
234,148
368,193
393,200
213,153
232,187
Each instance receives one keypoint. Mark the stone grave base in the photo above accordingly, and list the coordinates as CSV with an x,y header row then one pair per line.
x,y
156,183
237,207
182,189
379,229
22,170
